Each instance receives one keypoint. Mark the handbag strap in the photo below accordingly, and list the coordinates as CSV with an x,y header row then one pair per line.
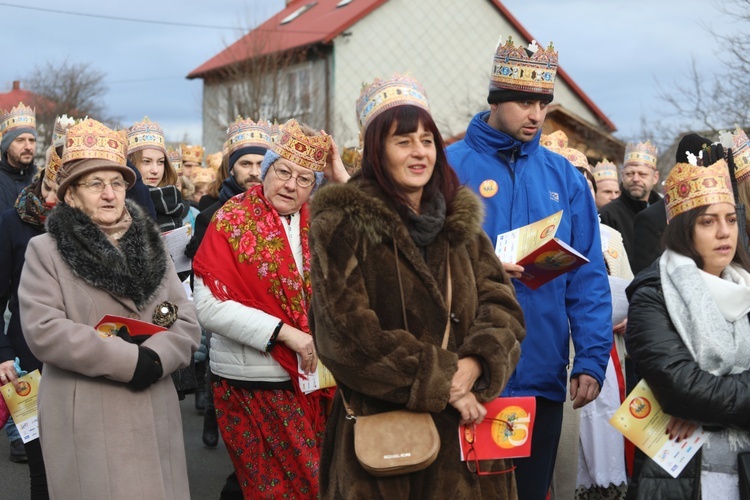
x,y
448,299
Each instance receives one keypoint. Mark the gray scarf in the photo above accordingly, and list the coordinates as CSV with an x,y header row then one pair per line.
x,y
710,314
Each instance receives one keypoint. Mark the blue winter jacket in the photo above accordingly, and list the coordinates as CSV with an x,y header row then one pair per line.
x,y
533,183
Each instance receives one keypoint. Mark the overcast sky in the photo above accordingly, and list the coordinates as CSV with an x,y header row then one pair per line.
x,y
615,50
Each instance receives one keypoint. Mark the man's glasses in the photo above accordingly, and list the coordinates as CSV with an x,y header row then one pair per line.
x,y
95,186
472,462
284,175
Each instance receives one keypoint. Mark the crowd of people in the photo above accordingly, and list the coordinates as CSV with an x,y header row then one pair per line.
x,y
383,270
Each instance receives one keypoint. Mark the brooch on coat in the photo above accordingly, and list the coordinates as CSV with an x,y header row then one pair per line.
x,y
165,314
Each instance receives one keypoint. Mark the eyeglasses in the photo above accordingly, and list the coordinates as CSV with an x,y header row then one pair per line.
x,y
472,462
118,185
284,175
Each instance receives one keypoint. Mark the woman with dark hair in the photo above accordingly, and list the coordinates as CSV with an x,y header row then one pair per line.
x,y
688,334
146,150
385,248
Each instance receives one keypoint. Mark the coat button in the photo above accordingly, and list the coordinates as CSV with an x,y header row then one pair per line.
x,y
134,316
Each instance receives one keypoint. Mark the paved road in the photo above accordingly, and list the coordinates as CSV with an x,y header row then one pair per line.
x,y
207,468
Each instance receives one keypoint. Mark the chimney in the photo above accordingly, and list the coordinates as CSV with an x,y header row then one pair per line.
x,y
16,84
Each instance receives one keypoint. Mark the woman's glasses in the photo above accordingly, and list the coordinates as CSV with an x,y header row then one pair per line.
x,y
472,462
284,175
118,185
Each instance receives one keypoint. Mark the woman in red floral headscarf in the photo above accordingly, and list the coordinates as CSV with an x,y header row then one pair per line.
x,y
252,289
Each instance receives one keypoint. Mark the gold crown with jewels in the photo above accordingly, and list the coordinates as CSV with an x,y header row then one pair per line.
x,y
514,69
380,95
146,135
689,186
301,149
245,133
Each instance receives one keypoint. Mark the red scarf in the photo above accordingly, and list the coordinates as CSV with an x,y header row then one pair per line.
x,y
245,256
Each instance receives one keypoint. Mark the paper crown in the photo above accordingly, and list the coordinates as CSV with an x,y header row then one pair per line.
x,y
380,95
175,159
688,187
192,153
213,161
557,142
55,162
303,150
145,135
247,133
514,69
605,170
205,175
20,116
62,124
90,139
739,143
643,153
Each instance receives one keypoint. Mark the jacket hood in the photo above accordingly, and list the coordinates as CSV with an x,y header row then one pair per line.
x,y
369,210
485,139
649,277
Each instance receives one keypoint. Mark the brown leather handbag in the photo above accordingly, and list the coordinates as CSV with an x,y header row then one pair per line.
x,y
400,441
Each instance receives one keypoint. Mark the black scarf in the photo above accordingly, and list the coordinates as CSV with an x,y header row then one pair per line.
x,y
168,205
425,226
135,269
229,189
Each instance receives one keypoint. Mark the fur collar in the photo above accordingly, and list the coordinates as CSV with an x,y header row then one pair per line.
x,y
134,270
365,205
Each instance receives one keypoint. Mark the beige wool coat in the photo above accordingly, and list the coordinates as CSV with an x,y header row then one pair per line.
x,y
100,438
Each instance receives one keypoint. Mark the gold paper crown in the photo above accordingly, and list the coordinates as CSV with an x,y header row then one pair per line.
x,y
55,162
643,153
207,175
145,135
20,116
688,187
62,124
605,170
557,142
514,69
192,153
175,159
303,150
247,133
380,95
90,139
213,161
741,154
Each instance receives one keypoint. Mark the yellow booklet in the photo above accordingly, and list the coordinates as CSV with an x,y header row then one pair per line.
x,y
22,404
642,421
321,378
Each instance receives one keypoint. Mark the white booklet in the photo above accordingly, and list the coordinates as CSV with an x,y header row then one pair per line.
x,y
176,240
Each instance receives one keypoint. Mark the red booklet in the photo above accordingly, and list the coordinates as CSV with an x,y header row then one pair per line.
x,y
138,330
504,433
549,261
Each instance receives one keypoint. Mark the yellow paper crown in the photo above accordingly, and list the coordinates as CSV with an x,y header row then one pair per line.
x,y
380,95
741,154
213,161
192,153
55,162
688,187
514,69
62,124
557,142
145,135
643,153
175,159
207,175
90,139
303,150
605,170
247,133
20,116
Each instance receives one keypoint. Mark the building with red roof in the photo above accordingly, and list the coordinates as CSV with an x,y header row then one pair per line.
x,y
310,60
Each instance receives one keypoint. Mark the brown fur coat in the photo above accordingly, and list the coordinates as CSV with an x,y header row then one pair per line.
x,y
358,324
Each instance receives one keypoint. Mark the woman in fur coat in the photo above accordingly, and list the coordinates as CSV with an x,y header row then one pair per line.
x,y
109,416
402,216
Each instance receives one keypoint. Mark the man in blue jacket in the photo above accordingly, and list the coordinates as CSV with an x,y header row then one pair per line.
x,y
521,182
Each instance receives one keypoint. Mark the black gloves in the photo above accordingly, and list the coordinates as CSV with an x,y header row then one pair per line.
x,y
147,370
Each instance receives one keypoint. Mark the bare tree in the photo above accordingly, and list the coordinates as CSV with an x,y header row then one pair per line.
x,y
64,87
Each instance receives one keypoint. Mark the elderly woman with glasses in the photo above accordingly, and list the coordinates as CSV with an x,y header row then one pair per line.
x,y
252,289
109,416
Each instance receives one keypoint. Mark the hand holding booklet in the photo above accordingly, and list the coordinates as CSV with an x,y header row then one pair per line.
x,y
642,421
535,247
22,404
321,378
135,331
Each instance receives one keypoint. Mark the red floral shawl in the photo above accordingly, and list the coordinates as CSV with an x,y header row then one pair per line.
x,y
245,257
